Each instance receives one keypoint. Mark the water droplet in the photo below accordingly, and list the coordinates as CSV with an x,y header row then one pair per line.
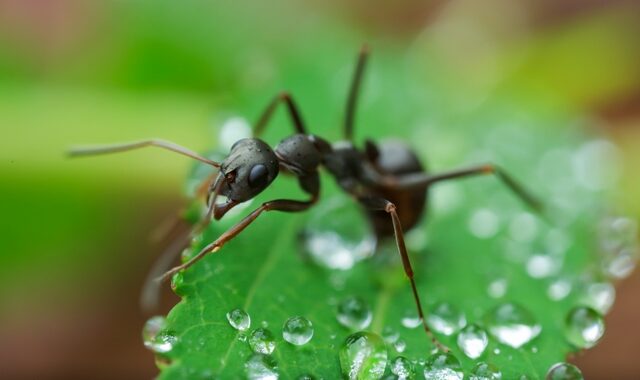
x,y
233,129
155,337
297,330
559,289
564,371
540,266
485,371
306,377
524,227
354,313
261,367
497,288
264,324
337,243
620,264
473,340
599,296
411,320
483,223
446,319
363,356
239,319
400,345
512,325
584,327
390,335
402,368
496,351
261,341
443,366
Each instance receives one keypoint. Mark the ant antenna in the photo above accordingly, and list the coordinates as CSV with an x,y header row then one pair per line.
x,y
106,149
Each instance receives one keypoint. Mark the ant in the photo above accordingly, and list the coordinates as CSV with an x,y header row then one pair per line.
x,y
387,179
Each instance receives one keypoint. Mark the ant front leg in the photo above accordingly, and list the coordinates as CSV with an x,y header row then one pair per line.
x,y
381,204
285,97
285,205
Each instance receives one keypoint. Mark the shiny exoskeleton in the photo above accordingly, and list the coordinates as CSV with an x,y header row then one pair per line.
x,y
387,179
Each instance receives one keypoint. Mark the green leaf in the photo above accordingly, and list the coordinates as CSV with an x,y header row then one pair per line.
x,y
478,248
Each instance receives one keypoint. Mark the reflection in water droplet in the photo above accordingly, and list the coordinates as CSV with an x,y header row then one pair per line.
x,y
363,356
261,341
512,325
402,368
473,340
400,345
497,288
446,319
297,331
559,289
564,371
485,371
599,296
239,319
354,313
261,367
483,223
443,366
154,336
411,320
337,242
584,327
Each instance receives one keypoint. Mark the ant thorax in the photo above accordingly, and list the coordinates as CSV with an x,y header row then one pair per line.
x,y
299,154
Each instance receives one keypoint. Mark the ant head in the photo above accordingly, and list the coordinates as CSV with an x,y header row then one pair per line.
x,y
250,167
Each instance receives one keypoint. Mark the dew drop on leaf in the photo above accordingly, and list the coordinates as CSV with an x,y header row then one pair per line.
x,y
559,289
261,341
363,356
483,223
402,368
297,331
400,345
564,371
584,327
599,296
156,338
239,319
261,367
473,340
443,366
512,325
354,313
446,319
485,371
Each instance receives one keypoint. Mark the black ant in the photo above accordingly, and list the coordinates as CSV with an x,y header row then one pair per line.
x,y
387,179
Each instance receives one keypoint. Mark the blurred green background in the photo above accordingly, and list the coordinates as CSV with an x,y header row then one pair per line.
x,y
75,246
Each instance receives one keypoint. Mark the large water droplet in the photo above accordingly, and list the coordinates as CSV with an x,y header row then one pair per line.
x,y
485,371
297,330
443,366
512,325
363,356
337,242
261,367
564,371
473,340
239,319
446,319
155,337
584,327
261,341
402,368
354,313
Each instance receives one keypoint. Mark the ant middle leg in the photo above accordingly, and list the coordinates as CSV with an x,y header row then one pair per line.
x,y
381,204
296,118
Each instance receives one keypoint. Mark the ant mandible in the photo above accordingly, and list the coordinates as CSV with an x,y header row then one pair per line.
x,y
387,179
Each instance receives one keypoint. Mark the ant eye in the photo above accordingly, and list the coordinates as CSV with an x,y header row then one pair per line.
x,y
258,176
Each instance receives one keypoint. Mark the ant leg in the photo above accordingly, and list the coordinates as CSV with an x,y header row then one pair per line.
x,y
417,180
104,149
381,204
354,90
285,205
285,97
